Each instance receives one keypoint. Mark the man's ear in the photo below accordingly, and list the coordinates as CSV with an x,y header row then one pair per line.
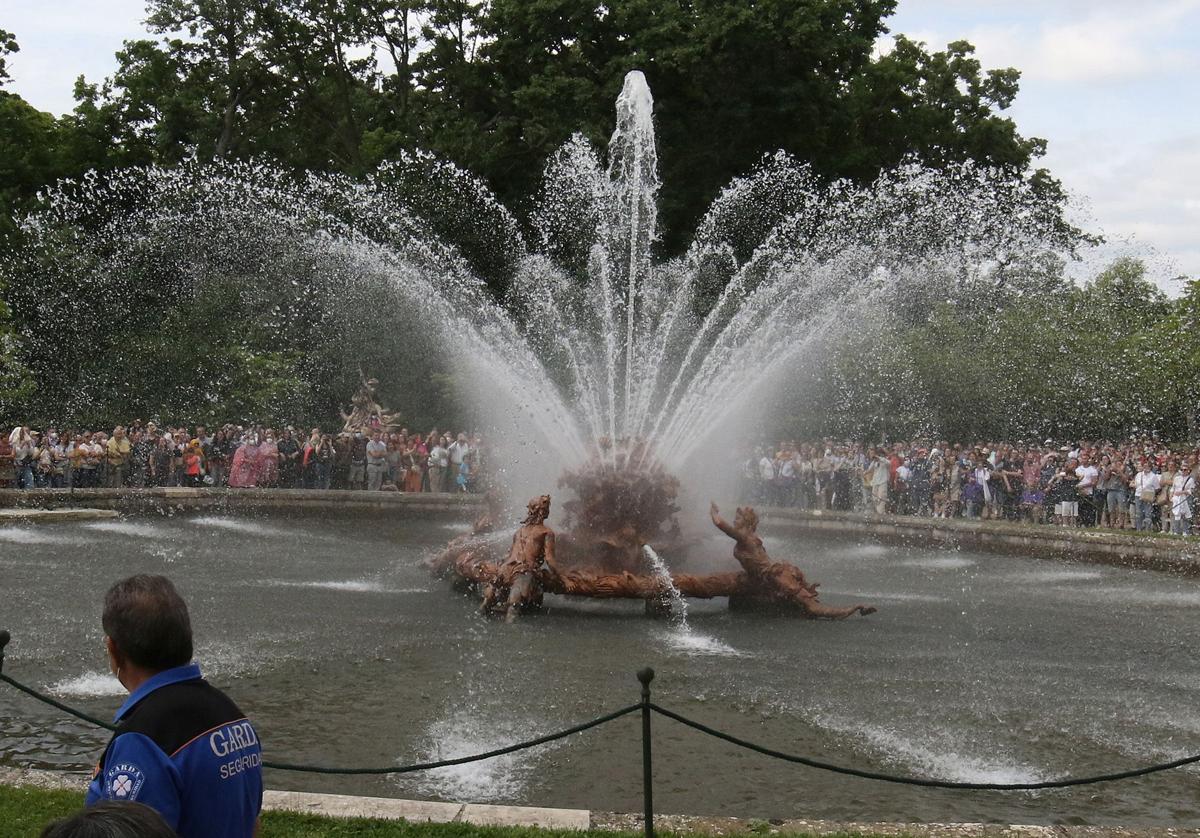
x,y
115,658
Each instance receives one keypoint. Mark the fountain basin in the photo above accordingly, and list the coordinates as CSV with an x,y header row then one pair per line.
x,y
332,636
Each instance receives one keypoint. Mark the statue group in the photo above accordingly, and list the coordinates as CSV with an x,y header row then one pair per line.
x,y
611,564
366,414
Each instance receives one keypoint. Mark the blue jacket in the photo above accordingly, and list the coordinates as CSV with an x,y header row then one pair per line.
x,y
184,748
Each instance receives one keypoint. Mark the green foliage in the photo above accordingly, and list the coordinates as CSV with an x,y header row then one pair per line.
x,y
333,85
25,810
8,45
496,87
1099,361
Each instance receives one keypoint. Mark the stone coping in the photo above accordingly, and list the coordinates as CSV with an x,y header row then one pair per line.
x,y
1163,553
42,516
480,814
179,498
486,814
1148,552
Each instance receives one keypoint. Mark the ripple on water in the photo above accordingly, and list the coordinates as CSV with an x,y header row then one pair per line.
x,y
940,562
36,535
1134,596
89,684
136,529
692,642
470,732
887,596
1042,577
365,586
943,758
861,551
241,525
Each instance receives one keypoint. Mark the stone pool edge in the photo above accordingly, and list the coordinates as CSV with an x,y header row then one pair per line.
x,y
183,499
1161,553
1172,554
484,814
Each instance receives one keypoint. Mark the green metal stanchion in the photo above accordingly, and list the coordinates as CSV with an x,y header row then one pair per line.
x,y
646,676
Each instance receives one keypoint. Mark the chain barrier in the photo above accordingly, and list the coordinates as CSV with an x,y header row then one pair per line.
x,y
920,781
647,708
392,769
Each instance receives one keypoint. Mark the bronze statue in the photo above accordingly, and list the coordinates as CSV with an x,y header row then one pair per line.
x,y
776,583
518,582
366,414
620,507
484,525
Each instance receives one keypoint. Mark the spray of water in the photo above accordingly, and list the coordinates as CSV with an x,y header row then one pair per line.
x,y
597,338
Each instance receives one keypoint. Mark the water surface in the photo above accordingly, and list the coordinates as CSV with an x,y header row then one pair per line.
x,y
330,634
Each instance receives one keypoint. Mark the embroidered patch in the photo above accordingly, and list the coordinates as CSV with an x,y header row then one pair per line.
x,y
123,781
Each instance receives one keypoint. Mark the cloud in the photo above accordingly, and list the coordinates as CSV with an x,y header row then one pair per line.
x,y
66,38
1105,82
1144,198
1094,43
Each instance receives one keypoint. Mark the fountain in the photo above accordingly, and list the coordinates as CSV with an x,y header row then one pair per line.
x,y
653,366
606,368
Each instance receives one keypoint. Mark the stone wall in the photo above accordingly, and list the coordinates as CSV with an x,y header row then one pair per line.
x,y
1149,552
1145,551
255,500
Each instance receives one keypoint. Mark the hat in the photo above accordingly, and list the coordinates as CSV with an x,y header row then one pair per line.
x,y
1066,449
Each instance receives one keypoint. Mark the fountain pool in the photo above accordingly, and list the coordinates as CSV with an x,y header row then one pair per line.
x,y
333,637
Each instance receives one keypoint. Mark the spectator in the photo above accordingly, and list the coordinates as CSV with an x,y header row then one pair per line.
x,y
8,468
377,464
181,746
1089,477
193,465
880,479
112,819
1145,489
1183,487
289,460
119,450
458,451
439,461
23,448
358,462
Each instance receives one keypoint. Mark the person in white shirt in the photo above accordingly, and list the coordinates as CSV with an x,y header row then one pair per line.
x,y
1145,486
880,476
1183,487
377,463
439,461
458,452
766,478
1088,476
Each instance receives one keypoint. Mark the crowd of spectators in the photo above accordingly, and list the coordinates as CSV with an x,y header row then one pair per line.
x,y
1139,484
144,455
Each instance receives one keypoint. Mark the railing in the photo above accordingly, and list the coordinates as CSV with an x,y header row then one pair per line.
x,y
647,708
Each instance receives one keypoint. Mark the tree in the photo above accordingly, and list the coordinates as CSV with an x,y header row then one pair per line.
x,y
8,45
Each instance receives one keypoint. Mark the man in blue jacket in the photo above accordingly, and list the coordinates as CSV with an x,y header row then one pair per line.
x,y
181,746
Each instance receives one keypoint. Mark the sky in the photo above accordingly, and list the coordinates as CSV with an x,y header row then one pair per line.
x,y
1112,85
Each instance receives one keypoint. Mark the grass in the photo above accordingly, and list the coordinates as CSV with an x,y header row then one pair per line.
x,y
24,811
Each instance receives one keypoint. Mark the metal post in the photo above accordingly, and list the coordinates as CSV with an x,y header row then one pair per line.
x,y
4,638
646,676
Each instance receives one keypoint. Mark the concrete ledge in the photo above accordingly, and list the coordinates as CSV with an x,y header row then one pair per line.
x,y
480,814
341,805
42,516
1147,552
483,814
180,499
